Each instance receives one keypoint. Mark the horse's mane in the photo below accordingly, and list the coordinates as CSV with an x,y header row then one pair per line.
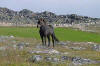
x,y
43,20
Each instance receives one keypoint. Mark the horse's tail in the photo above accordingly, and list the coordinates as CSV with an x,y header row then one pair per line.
x,y
56,38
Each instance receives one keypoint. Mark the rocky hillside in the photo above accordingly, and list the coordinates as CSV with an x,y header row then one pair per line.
x,y
28,17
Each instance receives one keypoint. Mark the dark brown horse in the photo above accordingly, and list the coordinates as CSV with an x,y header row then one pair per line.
x,y
46,31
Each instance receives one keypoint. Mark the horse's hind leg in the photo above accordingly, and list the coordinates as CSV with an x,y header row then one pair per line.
x,y
48,40
45,40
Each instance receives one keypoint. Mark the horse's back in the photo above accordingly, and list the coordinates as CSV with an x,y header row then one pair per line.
x,y
51,26
46,29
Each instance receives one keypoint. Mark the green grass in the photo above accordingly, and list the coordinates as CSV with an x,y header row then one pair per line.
x,y
76,35
61,33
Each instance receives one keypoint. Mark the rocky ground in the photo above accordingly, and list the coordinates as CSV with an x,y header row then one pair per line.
x,y
16,51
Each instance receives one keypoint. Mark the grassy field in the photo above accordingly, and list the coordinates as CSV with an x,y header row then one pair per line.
x,y
13,56
62,34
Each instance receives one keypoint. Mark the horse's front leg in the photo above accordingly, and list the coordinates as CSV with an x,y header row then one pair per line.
x,y
42,38
48,40
53,40
42,41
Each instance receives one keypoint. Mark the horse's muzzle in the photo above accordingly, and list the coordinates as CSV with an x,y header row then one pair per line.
x,y
37,26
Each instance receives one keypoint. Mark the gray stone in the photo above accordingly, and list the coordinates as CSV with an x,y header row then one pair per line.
x,y
3,48
27,44
52,51
36,58
96,47
14,46
63,58
77,48
4,38
48,58
62,43
22,45
41,47
55,59
35,51
11,36
80,61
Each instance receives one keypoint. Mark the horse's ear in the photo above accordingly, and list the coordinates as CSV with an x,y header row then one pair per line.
x,y
44,20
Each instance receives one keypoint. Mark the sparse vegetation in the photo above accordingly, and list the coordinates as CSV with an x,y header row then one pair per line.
x,y
16,57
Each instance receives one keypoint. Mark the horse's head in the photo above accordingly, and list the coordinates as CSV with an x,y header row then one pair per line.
x,y
41,22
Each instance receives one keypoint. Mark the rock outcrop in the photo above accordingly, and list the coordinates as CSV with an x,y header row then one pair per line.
x,y
28,17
